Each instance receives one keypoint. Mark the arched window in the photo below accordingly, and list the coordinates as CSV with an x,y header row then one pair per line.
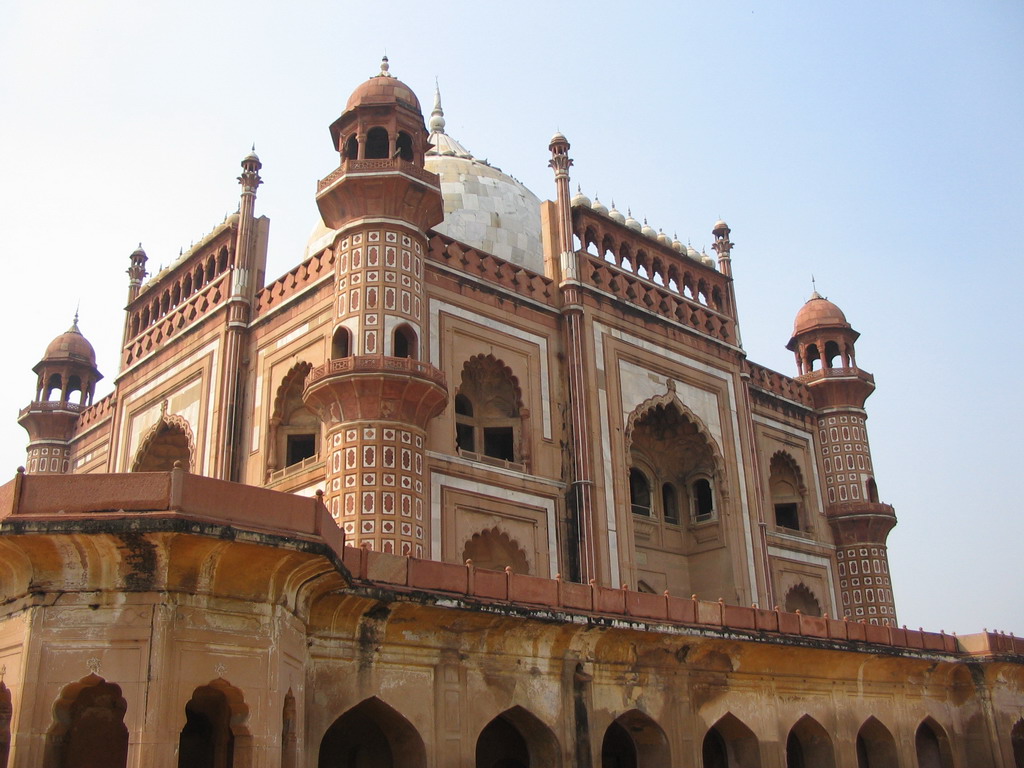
x,y
403,146
186,287
341,343
404,344
831,353
289,732
209,737
295,429
813,358
787,490
376,144
372,734
872,490
517,739
199,277
88,729
54,384
669,503
639,493
634,739
222,259
876,747
728,743
932,746
211,267
352,148
809,745
703,499
488,405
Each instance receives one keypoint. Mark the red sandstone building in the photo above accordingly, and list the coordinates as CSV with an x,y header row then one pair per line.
x,y
446,494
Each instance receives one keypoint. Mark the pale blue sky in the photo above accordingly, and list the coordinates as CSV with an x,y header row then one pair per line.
x,y
876,145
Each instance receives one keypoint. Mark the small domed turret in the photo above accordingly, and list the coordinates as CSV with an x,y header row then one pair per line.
x,y
71,347
579,198
818,313
630,222
615,215
647,230
599,207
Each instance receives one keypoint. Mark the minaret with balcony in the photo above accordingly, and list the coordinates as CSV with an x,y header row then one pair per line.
x,y
65,386
377,392
823,342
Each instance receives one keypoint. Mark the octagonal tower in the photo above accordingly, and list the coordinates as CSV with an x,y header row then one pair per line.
x,y
822,338
377,392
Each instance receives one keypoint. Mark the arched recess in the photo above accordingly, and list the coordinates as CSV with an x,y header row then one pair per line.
x,y
6,713
376,144
517,739
876,747
801,598
88,728
932,745
215,734
168,441
404,342
786,485
489,412
496,550
373,735
729,743
677,455
634,740
294,433
289,731
1017,740
809,745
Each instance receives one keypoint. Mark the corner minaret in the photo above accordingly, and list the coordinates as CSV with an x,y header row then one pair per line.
x,y
378,392
65,386
822,338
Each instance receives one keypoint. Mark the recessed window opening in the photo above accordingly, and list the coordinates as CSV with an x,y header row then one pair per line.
x,y
872,491
703,500
403,146
831,353
487,410
405,342
499,443
351,148
376,144
340,343
300,447
813,358
54,384
639,493
787,516
670,503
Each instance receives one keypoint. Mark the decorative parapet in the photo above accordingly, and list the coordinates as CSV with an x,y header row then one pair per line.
x,y
50,406
658,299
778,384
177,319
375,364
491,269
294,282
352,167
97,412
505,588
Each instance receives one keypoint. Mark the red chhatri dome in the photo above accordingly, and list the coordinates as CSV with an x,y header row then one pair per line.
x,y
72,346
818,312
383,88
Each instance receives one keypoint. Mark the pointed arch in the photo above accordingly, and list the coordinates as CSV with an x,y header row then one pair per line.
x,y
729,743
671,400
876,747
494,549
289,731
88,729
931,744
517,739
374,734
168,441
788,491
809,745
634,740
215,732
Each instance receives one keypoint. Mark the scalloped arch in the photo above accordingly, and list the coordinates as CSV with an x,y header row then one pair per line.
x,y
492,541
785,456
163,425
486,363
299,372
671,400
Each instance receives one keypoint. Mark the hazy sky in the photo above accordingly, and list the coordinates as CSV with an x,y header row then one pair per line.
x,y
875,145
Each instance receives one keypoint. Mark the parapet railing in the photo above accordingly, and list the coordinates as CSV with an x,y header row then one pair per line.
x,y
491,269
779,384
377,165
293,282
836,373
375,364
402,573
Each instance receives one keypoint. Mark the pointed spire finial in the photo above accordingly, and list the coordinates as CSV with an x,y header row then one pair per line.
x,y
437,115
384,67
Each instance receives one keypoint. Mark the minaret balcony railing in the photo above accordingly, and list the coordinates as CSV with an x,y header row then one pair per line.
x,y
377,166
376,364
836,373
852,508
52,405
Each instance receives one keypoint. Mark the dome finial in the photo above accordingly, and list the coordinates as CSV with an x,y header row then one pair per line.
x,y
384,67
437,115
814,290
74,322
